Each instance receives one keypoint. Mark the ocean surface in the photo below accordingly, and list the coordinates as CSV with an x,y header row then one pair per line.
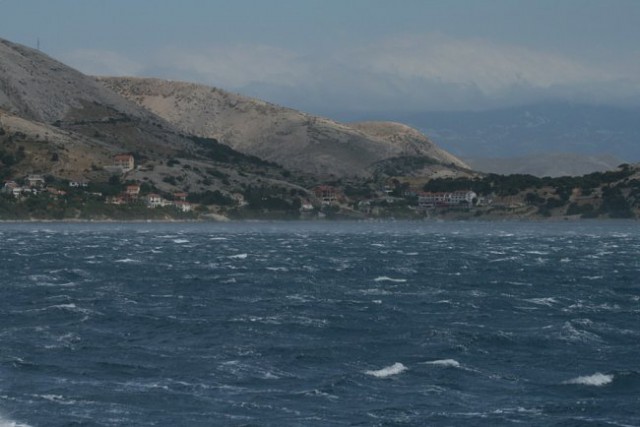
x,y
320,324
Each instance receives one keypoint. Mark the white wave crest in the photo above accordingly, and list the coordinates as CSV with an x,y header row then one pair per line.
x,y
596,379
277,269
446,363
549,301
388,279
395,369
7,423
239,256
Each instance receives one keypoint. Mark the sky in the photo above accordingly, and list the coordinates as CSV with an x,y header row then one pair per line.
x,y
335,56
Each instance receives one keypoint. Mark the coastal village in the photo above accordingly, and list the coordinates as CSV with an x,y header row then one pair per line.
x,y
613,194
321,200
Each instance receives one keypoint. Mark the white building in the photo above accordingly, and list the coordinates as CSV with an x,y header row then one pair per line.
x,y
456,198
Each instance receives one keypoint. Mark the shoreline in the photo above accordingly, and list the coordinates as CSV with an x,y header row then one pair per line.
x,y
316,220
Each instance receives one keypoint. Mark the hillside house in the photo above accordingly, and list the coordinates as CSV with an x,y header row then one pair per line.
x,y
124,162
154,200
116,200
132,191
447,199
326,194
181,197
306,206
184,206
12,187
239,199
35,181
56,191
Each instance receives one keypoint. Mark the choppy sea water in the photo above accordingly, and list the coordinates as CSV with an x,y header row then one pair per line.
x,y
320,324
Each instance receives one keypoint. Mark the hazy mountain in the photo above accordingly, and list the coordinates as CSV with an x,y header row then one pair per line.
x,y
548,164
529,130
288,137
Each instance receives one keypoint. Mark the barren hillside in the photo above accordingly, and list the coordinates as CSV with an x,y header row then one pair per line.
x,y
291,138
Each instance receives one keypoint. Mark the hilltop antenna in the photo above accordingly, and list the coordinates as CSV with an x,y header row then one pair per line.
x,y
38,43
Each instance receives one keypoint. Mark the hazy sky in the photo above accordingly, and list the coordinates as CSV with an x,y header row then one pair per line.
x,y
352,55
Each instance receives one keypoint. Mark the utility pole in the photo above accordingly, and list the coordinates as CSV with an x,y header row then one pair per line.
x,y
38,43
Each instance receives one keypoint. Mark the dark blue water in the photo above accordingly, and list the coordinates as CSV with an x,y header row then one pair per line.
x,y
320,324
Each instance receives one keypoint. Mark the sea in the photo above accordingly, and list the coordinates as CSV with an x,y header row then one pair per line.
x,y
320,324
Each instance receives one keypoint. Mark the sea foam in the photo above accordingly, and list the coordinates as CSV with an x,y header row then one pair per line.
x,y
389,279
6,423
395,369
596,379
446,363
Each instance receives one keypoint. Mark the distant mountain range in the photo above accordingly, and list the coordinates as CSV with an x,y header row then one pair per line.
x,y
574,138
550,164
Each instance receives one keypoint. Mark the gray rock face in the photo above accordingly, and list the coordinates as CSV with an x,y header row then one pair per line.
x,y
294,139
37,87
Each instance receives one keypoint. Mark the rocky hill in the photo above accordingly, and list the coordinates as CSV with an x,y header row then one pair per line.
x,y
37,87
294,139
60,123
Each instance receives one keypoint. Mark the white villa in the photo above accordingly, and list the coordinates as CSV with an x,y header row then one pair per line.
x,y
456,198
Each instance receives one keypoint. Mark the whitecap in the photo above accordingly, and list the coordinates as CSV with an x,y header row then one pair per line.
x,y
277,269
374,291
54,398
239,256
571,333
388,279
6,423
127,261
318,393
549,301
511,258
596,379
180,241
395,369
445,363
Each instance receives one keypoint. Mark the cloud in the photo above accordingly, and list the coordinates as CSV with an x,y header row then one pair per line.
x,y
405,72
102,62
236,66
437,71
489,66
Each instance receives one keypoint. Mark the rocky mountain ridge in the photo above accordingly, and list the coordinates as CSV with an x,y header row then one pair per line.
x,y
288,137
